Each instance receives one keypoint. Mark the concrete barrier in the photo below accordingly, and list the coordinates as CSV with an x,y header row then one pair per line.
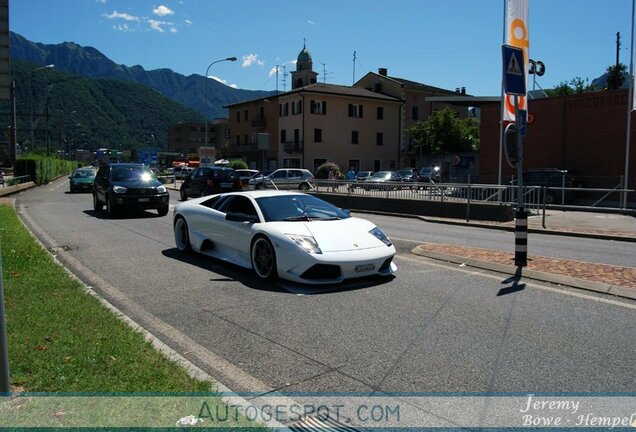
x,y
457,210
8,190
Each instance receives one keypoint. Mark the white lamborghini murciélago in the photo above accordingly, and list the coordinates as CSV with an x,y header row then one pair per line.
x,y
290,235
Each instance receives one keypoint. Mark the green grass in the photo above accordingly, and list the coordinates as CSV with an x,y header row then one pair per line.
x,y
63,340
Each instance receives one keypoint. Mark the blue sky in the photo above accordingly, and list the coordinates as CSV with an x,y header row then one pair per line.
x,y
444,43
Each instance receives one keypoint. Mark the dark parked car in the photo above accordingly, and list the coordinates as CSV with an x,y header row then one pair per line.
x,y
129,186
246,174
82,180
210,180
383,180
555,180
407,174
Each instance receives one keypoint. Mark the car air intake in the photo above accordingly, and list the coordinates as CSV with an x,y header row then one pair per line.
x,y
386,264
322,271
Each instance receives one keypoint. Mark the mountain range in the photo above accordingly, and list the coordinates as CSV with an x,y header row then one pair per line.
x,y
91,63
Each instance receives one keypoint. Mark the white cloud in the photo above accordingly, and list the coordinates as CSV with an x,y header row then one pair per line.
x,y
222,81
124,16
188,22
252,59
122,27
272,71
173,29
101,1
234,86
156,25
163,11
310,22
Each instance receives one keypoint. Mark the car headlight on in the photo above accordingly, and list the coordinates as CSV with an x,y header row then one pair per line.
x,y
119,189
377,233
307,243
162,189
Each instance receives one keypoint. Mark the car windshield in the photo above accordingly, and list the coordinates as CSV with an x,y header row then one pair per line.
x,y
298,208
131,173
84,174
381,175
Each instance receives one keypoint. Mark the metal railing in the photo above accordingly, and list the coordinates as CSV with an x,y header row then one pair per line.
x,y
535,197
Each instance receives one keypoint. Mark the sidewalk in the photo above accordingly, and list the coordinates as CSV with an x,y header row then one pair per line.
x,y
608,279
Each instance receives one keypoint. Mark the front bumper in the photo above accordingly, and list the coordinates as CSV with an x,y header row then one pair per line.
x,y
335,267
141,202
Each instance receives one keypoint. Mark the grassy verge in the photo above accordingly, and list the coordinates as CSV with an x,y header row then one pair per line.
x,y
61,339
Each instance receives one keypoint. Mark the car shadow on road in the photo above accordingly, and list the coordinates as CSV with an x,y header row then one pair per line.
x,y
140,214
232,273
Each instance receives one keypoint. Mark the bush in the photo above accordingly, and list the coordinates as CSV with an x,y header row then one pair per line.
x,y
322,172
43,169
238,164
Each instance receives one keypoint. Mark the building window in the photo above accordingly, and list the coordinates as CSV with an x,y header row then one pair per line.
x,y
262,113
238,116
297,107
296,136
318,107
317,135
283,136
354,137
355,110
414,113
246,139
380,113
379,138
238,140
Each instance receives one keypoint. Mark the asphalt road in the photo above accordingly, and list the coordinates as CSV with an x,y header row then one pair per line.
x,y
432,328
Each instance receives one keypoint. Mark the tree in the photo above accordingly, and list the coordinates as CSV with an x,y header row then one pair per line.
x,y
444,132
615,77
576,85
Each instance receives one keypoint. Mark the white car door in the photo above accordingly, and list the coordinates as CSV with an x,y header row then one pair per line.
x,y
236,234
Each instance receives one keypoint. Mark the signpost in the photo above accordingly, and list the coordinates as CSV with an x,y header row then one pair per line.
x,y
515,84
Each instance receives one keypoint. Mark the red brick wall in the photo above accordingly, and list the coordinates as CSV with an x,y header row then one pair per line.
x,y
585,134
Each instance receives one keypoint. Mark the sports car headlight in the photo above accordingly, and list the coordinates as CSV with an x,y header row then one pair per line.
x,y
307,243
162,189
377,232
119,189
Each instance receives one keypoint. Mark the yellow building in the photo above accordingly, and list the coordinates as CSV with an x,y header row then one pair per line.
x,y
317,122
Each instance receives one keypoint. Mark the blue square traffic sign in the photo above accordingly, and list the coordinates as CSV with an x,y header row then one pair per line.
x,y
514,70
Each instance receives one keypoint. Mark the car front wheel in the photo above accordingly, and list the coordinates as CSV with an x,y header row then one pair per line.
x,y
110,207
263,258
97,204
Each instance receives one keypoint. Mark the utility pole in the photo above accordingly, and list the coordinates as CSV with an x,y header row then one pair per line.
x,y
618,47
354,68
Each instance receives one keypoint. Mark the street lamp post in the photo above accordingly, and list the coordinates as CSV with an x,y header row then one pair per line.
x,y
49,66
207,71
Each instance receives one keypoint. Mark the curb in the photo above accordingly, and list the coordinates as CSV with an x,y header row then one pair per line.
x,y
587,285
549,231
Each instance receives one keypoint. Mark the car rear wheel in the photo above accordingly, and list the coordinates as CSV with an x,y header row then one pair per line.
x,y
181,235
263,258
97,204
303,187
162,211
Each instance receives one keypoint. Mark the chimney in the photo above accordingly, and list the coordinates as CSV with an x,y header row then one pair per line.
x,y
456,89
463,90
383,71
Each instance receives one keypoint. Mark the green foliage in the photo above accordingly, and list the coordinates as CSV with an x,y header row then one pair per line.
x,y
61,339
575,86
444,132
43,169
615,77
322,172
238,164
90,113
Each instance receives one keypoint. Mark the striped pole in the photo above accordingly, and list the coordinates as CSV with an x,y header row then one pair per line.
x,y
521,238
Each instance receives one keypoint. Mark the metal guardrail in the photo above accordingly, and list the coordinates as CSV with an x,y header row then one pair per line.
x,y
535,197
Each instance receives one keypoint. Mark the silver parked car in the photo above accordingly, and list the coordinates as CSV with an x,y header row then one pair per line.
x,y
284,178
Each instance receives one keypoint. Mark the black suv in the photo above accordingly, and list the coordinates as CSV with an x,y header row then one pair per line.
x,y
554,180
210,180
129,186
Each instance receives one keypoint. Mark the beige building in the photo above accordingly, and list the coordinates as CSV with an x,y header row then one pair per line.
x,y
186,138
415,108
316,122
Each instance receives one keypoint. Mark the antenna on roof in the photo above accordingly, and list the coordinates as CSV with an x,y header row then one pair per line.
x,y
324,72
284,78
276,78
354,68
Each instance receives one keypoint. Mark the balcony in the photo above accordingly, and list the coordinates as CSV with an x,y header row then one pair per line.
x,y
259,123
293,146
